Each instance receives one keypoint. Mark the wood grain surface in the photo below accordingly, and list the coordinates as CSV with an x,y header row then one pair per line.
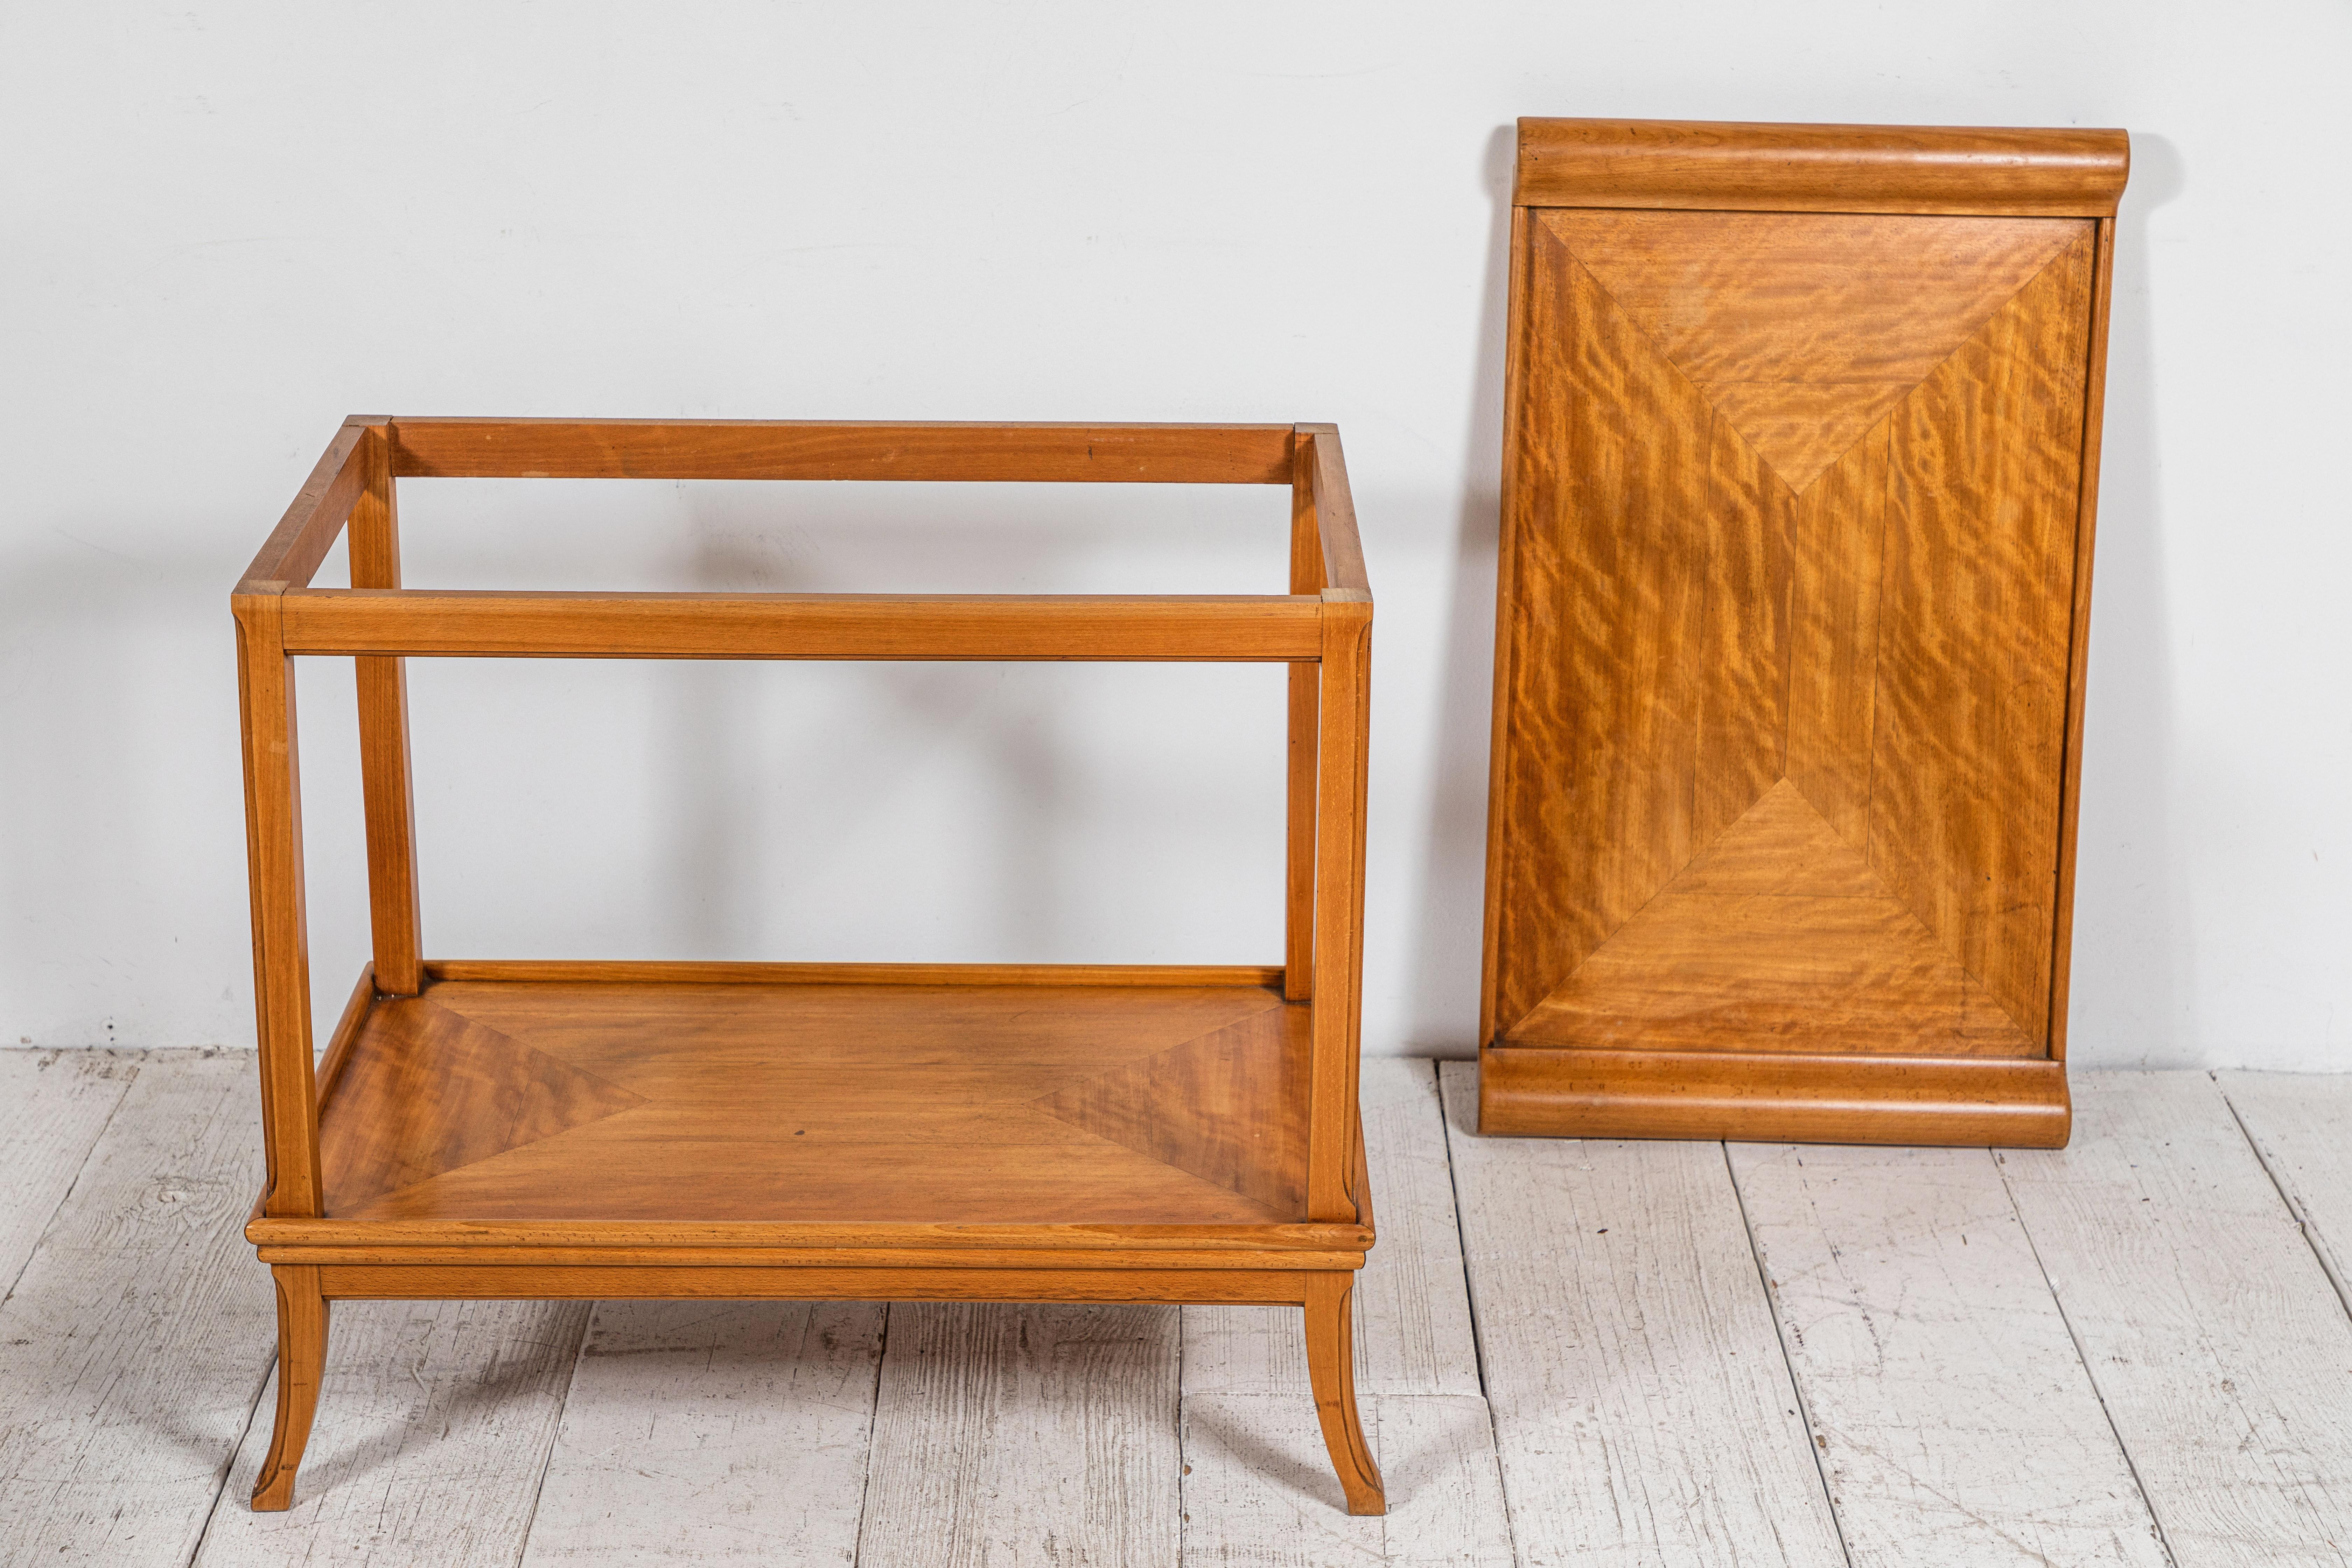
x,y
1970,169
487,1101
1162,628
1776,1096
839,450
387,796
1790,595
925,1133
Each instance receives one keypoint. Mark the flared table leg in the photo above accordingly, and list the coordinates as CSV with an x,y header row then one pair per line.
x,y
1331,1368
301,1361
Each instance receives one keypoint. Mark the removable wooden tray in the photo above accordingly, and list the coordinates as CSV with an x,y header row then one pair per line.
x,y
1800,462
880,1132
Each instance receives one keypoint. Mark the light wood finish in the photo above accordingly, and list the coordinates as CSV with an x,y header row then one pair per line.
x,y
564,971
963,1280
1643,1406
1298,829
1529,1090
291,555
1791,626
482,1102
301,1366
2222,1355
1954,1421
844,449
1243,629
1082,1134
1331,1367
2078,664
384,744
1258,1482
281,941
2072,172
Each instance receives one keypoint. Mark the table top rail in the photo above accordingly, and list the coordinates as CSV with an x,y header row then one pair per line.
x,y
1270,627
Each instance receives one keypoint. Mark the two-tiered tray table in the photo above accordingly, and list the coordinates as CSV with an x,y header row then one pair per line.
x,y
886,1131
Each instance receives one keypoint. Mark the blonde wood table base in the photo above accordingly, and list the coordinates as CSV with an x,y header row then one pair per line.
x,y
831,1131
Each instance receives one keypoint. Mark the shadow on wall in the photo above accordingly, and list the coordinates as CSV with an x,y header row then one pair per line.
x,y
2131,925
1443,1009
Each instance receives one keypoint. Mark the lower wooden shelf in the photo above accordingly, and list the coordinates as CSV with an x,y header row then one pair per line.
x,y
654,1096
818,1131
659,1112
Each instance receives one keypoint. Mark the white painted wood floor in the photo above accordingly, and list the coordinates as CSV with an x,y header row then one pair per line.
x,y
2135,1351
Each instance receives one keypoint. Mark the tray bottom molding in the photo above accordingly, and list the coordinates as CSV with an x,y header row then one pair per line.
x,y
1767,1097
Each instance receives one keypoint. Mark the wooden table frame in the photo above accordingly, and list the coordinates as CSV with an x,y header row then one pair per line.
x,y
1321,629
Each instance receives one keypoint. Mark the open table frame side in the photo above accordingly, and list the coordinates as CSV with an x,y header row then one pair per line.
x,y
1321,628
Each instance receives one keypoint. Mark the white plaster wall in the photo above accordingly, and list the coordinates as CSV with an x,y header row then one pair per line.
x,y
223,227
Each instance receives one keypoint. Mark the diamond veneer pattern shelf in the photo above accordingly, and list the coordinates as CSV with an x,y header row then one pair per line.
x,y
1808,493
810,1102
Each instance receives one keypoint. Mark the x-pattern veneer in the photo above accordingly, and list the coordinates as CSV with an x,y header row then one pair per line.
x,y
1801,470
883,1132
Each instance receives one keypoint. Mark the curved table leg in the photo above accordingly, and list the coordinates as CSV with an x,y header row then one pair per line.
x,y
301,1359
1331,1367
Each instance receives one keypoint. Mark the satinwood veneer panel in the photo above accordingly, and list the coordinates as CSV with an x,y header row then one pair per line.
x,y
1789,640
650,1100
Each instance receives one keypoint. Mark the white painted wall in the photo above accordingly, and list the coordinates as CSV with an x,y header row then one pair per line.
x,y
223,227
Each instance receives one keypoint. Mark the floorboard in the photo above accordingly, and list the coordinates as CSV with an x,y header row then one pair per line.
x,y
1258,1488
53,1105
1643,1409
2301,1124
435,1421
1012,1436
714,1432
141,1329
2219,1347
2127,1353
1956,1423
